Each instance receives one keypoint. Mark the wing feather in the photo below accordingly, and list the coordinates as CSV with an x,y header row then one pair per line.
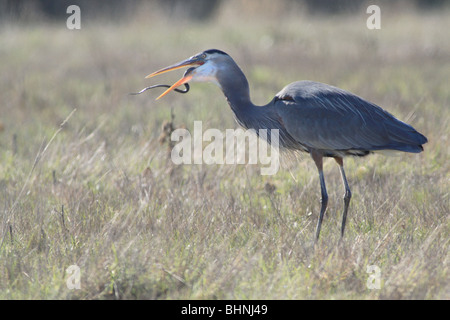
x,y
324,117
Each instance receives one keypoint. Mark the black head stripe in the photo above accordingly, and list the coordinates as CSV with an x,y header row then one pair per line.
x,y
211,51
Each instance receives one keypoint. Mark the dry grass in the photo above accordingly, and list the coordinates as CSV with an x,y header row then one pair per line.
x,y
104,194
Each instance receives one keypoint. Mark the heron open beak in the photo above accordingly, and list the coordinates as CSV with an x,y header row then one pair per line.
x,y
188,62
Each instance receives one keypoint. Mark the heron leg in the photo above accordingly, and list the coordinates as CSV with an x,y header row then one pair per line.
x,y
347,195
318,159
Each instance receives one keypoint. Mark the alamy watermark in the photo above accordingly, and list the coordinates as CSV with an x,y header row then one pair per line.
x,y
74,20
374,20
374,279
73,281
190,149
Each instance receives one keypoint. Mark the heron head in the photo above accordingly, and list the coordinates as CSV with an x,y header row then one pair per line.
x,y
204,67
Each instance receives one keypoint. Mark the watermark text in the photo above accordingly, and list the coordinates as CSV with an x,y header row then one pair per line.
x,y
241,147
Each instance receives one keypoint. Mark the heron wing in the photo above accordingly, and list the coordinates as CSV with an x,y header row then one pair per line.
x,y
324,117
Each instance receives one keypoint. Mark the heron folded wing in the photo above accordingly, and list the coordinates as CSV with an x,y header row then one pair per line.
x,y
328,118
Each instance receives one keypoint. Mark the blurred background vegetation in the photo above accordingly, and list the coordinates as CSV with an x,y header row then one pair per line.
x,y
194,9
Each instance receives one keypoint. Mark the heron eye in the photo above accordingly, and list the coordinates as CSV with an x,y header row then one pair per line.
x,y
203,56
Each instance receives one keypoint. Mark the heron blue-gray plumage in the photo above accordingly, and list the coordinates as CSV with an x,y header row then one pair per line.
x,y
317,118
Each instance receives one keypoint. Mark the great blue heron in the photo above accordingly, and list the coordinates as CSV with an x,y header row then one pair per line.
x,y
317,118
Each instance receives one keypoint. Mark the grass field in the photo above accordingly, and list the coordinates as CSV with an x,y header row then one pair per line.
x,y
101,192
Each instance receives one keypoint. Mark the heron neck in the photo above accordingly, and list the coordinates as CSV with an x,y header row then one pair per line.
x,y
235,87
